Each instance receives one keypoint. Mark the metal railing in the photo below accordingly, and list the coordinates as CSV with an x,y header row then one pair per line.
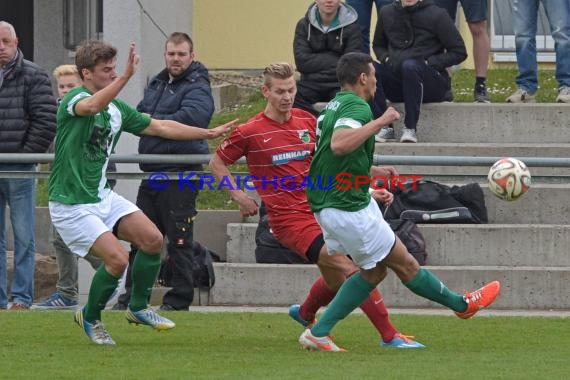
x,y
10,158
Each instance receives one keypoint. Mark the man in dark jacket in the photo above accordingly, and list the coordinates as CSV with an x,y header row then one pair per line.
x,y
415,41
27,125
327,32
180,92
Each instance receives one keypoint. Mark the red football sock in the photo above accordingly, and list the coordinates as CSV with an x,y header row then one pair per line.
x,y
319,295
376,311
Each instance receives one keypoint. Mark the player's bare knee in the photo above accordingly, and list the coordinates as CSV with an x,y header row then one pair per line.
x,y
375,275
116,263
334,281
408,270
152,242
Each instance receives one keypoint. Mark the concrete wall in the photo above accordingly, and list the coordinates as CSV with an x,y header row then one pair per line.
x,y
49,51
123,23
246,34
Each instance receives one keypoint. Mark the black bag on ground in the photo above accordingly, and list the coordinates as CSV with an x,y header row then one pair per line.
x,y
432,202
411,237
267,249
202,267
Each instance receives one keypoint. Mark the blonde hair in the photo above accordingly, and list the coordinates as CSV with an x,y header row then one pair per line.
x,y
62,70
10,27
279,70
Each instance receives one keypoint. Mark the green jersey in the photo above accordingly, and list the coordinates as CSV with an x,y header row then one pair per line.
x,y
83,145
333,177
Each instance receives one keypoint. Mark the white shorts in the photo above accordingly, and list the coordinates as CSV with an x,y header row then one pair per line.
x,y
80,225
364,234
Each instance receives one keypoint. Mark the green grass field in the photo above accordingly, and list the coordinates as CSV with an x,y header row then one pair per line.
x,y
48,345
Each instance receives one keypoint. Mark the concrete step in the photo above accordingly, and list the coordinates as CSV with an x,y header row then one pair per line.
x,y
531,245
479,173
493,123
540,288
548,204
472,149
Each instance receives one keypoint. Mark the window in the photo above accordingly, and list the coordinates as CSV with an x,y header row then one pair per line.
x,y
503,37
82,19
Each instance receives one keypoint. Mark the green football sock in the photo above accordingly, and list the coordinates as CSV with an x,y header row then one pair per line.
x,y
427,285
144,272
102,287
350,295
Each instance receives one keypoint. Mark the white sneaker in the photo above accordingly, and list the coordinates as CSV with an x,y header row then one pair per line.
x,y
521,96
385,134
563,95
313,343
409,136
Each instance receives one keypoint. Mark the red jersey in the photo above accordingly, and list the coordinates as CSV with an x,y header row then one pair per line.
x,y
278,157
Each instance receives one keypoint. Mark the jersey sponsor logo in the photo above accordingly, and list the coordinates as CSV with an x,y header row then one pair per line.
x,y
304,136
284,158
267,140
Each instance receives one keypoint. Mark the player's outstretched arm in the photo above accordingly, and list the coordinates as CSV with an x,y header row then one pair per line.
x,y
101,99
173,130
247,205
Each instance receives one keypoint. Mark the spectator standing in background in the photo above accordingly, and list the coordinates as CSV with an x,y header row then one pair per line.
x,y
364,10
525,16
180,92
476,15
27,125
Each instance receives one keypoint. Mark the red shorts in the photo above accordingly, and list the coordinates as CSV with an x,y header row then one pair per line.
x,y
296,231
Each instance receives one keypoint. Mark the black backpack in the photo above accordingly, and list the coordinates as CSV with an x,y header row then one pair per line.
x,y
432,202
202,267
267,249
411,237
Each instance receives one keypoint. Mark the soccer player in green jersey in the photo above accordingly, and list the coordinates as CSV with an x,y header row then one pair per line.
x,y
351,222
88,215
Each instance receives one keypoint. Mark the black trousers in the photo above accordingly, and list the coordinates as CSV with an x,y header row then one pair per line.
x,y
172,210
309,93
414,83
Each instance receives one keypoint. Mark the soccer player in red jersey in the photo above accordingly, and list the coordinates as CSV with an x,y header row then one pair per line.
x,y
278,144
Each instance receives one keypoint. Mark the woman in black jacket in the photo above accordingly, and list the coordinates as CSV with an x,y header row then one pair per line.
x,y
328,31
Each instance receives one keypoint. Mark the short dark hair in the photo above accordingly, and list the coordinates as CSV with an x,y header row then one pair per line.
x,y
90,52
179,38
350,66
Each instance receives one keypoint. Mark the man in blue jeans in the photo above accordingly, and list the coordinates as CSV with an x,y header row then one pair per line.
x,y
415,42
364,10
525,15
27,125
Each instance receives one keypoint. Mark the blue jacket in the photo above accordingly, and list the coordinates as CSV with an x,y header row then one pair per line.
x,y
188,100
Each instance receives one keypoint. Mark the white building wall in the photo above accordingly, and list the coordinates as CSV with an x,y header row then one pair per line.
x,y
123,22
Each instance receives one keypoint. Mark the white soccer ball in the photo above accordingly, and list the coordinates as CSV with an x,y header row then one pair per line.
x,y
509,179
